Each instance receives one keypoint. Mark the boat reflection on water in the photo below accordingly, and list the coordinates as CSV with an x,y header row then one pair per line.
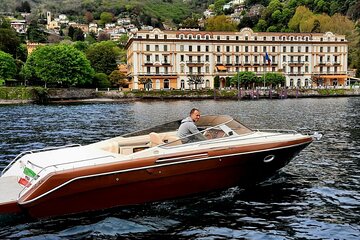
x,y
144,166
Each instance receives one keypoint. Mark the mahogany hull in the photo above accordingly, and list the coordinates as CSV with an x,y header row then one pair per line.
x,y
154,180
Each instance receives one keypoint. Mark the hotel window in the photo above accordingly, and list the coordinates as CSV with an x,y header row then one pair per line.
x,y
207,37
255,49
284,58
227,38
218,48
306,69
148,58
190,70
147,36
306,49
165,36
218,37
199,48
157,70
246,49
181,36
321,49
156,47
246,38
206,58
147,47
291,49
273,38
190,48
207,69
198,37
190,37
206,48
182,69
198,59
165,48
218,59
181,58
264,49
237,48
181,48
255,38
246,59
148,70
264,38
237,37
227,49
273,49
156,36
284,49
156,58
199,69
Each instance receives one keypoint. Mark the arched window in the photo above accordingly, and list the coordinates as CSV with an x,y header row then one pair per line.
x,y
181,36
182,84
291,82
306,82
157,83
198,37
166,84
298,82
190,36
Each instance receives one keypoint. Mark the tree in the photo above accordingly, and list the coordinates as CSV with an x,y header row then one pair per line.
x,y
273,79
35,33
7,66
24,7
190,22
195,80
101,80
78,35
58,64
88,17
106,17
118,79
103,56
145,82
9,41
245,79
103,36
220,23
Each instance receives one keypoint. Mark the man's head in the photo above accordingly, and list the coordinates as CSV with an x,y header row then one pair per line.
x,y
195,114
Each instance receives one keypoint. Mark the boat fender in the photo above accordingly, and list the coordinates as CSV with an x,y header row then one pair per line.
x,y
269,158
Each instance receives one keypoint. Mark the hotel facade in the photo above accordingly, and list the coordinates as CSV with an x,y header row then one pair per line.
x,y
167,59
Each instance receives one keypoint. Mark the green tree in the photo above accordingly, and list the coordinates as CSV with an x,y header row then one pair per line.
x,y
7,66
220,23
103,56
273,79
101,80
35,33
58,64
245,79
106,17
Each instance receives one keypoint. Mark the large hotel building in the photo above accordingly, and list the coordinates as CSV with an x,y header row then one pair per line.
x,y
166,59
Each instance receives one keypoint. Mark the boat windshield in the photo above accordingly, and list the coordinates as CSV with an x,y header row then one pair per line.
x,y
213,127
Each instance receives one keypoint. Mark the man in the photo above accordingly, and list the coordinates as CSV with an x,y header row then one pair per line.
x,y
188,127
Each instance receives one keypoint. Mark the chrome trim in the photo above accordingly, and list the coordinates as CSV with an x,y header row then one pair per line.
x,y
153,166
179,158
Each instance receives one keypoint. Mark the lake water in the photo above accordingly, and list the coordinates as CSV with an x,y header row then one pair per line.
x,y
316,196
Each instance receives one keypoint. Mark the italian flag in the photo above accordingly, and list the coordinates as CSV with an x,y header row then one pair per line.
x,y
25,181
30,173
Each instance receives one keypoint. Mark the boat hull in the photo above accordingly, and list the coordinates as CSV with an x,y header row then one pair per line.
x,y
157,179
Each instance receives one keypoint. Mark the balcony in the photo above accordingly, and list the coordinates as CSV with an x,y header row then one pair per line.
x,y
296,63
148,63
336,63
165,63
157,74
195,63
295,73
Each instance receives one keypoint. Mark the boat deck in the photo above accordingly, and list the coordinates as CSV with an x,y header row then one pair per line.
x,y
9,189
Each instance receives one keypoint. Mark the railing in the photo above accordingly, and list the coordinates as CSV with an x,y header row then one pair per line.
x,y
35,151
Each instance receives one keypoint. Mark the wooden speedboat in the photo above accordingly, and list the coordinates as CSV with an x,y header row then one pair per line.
x,y
145,166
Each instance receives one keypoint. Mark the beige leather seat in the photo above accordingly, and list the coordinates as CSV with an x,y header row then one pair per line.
x,y
155,139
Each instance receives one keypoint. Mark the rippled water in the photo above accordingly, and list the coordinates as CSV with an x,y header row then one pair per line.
x,y
317,196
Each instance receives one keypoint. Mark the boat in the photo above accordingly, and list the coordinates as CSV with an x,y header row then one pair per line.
x,y
144,166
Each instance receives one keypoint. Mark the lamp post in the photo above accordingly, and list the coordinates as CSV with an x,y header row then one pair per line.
x,y
238,85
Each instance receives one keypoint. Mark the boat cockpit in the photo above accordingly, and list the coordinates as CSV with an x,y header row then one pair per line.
x,y
210,127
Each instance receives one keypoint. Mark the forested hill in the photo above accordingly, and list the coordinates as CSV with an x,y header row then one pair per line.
x,y
145,11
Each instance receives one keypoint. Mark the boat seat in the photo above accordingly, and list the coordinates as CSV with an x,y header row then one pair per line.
x,y
155,139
